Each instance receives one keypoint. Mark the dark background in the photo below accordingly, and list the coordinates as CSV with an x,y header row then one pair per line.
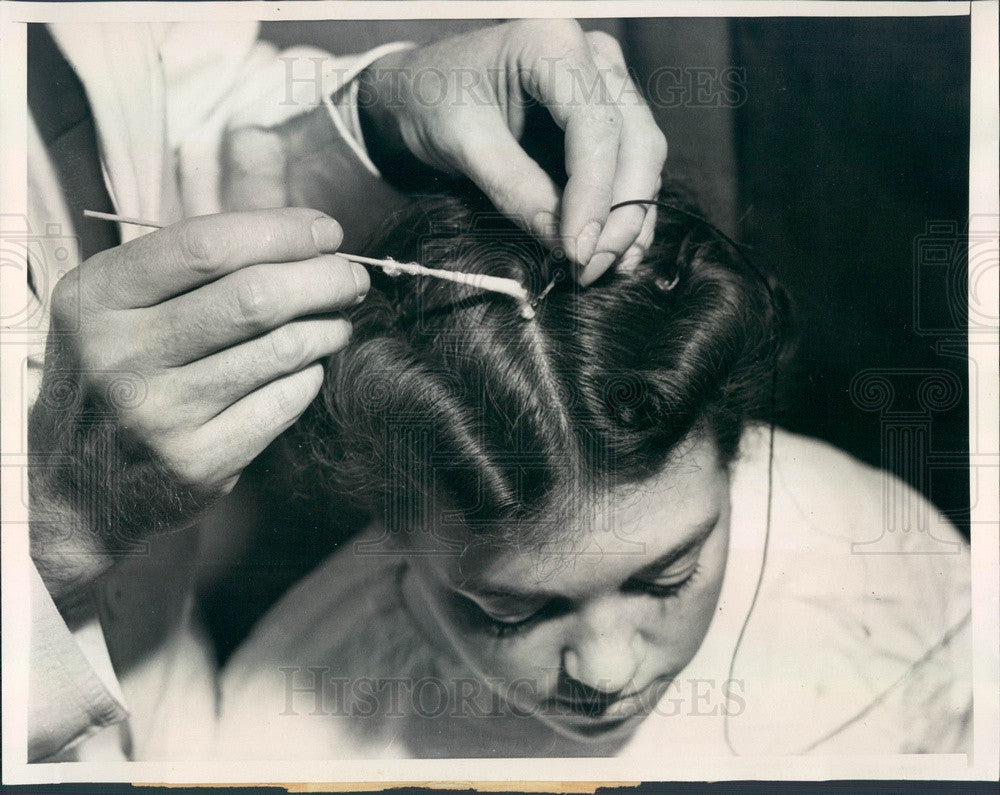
x,y
854,139
846,139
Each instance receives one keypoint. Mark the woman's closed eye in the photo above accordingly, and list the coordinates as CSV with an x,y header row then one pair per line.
x,y
678,571
670,580
507,623
666,586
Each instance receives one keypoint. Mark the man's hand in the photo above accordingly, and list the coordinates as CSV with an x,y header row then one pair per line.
x,y
217,324
458,105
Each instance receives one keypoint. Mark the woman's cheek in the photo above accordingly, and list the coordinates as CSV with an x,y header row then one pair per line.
x,y
531,656
686,621
530,659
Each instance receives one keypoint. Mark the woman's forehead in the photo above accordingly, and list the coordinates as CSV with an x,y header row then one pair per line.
x,y
613,535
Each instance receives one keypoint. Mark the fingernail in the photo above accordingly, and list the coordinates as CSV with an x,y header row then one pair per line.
x,y
327,234
631,258
598,264
362,281
545,225
586,242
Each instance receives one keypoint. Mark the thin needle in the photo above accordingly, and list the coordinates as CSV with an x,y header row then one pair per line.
x,y
122,219
493,284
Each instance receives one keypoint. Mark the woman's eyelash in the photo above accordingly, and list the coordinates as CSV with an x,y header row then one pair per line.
x,y
662,591
496,626
504,629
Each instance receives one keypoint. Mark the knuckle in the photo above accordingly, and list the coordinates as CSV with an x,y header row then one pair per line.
x,y
65,298
528,27
144,426
254,302
198,250
451,136
293,394
605,45
604,116
65,288
656,143
155,418
151,418
193,464
288,346
564,28
614,118
175,325
551,33
99,355
188,469
170,450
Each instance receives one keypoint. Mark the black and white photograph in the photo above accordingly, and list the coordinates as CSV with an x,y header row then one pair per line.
x,y
406,392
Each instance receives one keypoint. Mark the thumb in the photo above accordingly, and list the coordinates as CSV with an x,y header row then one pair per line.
x,y
518,186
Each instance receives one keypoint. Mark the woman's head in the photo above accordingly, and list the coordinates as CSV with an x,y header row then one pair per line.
x,y
561,482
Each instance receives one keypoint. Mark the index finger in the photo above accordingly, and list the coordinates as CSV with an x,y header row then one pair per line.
x,y
573,90
173,260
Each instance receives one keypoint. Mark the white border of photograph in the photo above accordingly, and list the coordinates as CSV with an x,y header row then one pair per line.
x,y
515,773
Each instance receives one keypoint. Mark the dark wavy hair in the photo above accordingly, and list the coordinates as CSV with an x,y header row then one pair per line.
x,y
448,394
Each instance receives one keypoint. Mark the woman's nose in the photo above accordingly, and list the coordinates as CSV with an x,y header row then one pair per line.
x,y
606,654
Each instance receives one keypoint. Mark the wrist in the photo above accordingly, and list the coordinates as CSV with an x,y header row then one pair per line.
x,y
67,553
380,130
381,96
93,496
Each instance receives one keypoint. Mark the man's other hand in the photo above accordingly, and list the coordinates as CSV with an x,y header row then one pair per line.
x,y
458,105
219,323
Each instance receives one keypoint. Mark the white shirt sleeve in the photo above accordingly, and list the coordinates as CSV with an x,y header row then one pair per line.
x,y
68,699
221,77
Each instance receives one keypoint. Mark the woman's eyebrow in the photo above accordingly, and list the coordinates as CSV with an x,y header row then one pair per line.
x,y
703,531
490,592
486,591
